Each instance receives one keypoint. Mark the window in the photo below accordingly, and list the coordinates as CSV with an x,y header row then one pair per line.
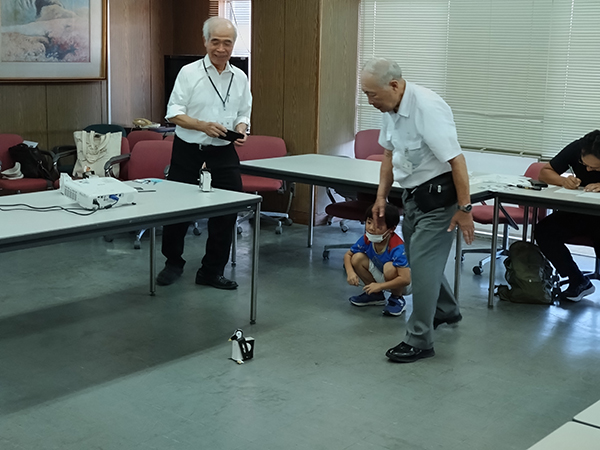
x,y
519,75
239,12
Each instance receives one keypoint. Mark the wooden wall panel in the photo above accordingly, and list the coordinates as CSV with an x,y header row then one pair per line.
x,y
23,111
72,107
188,17
268,67
161,39
337,86
130,61
301,102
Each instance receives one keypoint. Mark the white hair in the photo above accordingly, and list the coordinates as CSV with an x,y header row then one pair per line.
x,y
210,24
383,70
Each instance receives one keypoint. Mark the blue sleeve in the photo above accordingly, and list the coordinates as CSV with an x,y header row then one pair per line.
x,y
398,256
360,246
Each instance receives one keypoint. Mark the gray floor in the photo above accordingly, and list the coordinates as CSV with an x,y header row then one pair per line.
x,y
88,360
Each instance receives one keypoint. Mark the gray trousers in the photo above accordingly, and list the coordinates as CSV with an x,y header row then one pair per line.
x,y
428,245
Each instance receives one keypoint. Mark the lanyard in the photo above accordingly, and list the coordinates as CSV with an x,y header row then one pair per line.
x,y
223,100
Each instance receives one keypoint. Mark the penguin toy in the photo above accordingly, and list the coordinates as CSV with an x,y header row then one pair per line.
x,y
242,348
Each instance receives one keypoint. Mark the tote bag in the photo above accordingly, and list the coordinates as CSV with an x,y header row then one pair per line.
x,y
94,150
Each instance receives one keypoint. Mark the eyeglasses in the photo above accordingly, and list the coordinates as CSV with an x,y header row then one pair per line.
x,y
587,166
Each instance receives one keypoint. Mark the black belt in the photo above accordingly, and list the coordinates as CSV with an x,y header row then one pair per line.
x,y
214,147
446,177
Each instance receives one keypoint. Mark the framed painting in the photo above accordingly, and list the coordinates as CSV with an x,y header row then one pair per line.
x,y
52,40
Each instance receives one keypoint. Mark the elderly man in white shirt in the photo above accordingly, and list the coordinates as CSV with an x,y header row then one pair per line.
x,y
210,96
422,153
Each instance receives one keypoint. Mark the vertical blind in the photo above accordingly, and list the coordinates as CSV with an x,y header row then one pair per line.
x,y
521,76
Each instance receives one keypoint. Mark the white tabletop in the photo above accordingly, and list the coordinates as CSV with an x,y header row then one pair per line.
x,y
590,416
332,171
571,435
161,203
321,170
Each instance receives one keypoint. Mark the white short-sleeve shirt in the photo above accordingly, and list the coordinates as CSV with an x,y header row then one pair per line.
x,y
421,135
194,95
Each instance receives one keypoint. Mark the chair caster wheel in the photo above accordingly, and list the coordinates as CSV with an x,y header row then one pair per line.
x,y
137,245
288,222
477,270
196,231
108,238
326,254
239,230
278,230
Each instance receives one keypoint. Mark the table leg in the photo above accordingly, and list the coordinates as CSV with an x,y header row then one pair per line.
x,y
457,262
493,253
525,222
152,261
311,217
254,285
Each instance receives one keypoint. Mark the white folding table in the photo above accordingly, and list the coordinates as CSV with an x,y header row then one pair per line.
x,y
159,202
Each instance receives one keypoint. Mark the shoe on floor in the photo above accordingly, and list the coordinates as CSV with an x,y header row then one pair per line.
x,y
576,292
168,275
365,299
448,320
404,353
394,306
216,281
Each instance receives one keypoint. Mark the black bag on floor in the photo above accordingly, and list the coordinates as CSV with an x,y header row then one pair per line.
x,y
529,274
35,163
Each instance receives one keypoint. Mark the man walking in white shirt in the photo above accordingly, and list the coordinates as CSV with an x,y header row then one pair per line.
x,y
422,153
209,97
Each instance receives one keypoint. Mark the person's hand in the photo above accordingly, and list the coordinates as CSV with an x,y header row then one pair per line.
x,y
241,141
593,187
379,211
464,221
213,129
372,288
241,128
571,182
353,279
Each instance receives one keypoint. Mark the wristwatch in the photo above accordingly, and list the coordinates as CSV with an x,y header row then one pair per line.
x,y
465,208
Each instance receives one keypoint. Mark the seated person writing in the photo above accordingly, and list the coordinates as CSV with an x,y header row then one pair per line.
x,y
378,260
581,159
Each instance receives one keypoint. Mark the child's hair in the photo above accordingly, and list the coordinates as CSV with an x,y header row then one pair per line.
x,y
392,215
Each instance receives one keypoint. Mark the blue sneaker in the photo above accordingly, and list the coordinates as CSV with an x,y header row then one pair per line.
x,y
394,306
365,299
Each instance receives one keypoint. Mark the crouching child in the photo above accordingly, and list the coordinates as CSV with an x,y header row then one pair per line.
x,y
378,260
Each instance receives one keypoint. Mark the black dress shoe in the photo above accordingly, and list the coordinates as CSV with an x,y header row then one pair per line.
x,y
216,281
168,275
449,320
404,353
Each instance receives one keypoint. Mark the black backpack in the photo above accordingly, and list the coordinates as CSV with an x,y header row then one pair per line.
x,y
35,163
529,274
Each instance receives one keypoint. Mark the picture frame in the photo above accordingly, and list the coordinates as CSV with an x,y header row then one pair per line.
x,y
52,40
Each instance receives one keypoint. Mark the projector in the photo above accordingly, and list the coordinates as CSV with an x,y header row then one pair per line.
x,y
96,192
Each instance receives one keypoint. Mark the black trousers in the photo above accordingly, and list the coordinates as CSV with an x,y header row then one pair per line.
x,y
555,230
224,165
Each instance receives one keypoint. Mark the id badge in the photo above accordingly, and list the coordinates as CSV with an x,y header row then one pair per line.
x,y
406,166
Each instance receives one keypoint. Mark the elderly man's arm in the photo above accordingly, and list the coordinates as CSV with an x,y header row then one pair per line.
x,y
464,220
386,178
